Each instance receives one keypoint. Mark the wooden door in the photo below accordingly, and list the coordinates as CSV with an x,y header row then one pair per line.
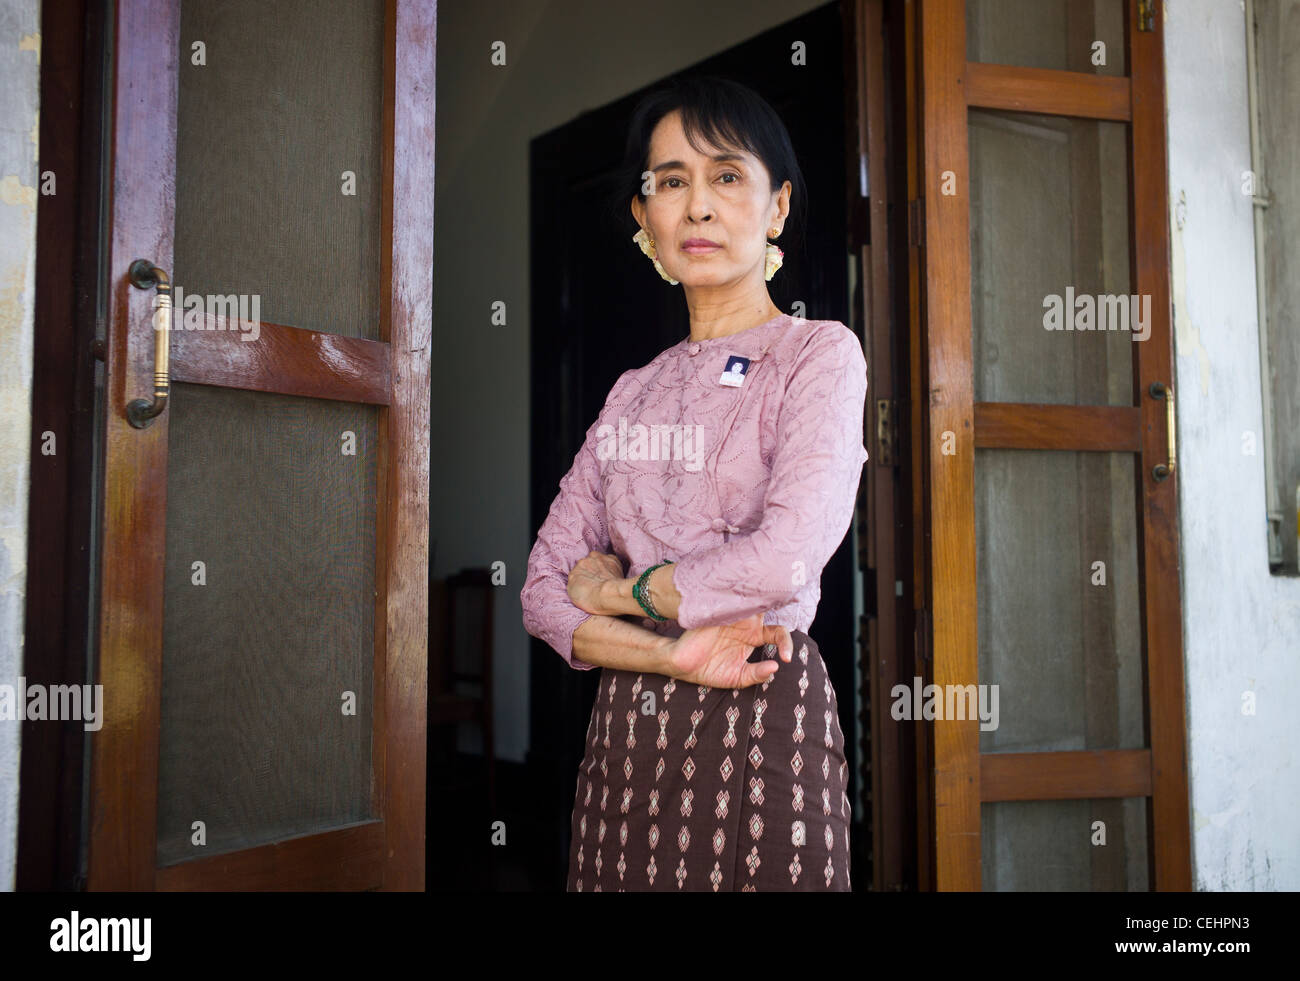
x,y
262,555
1049,487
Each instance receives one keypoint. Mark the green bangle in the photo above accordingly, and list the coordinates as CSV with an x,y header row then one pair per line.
x,y
641,592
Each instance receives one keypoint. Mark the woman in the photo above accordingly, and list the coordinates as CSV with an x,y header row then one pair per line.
x,y
723,476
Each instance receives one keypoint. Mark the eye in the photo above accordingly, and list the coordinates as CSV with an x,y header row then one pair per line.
x,y
666,182
730,174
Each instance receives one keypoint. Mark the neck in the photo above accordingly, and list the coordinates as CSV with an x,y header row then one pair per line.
x,y
719,316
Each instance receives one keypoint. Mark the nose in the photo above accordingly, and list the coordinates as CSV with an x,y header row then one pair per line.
x,y
700,206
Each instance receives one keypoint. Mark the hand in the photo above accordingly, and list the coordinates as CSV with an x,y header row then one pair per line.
x,y
588,579
717,657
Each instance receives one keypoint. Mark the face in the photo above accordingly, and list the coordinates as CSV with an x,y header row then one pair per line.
x,y
711,212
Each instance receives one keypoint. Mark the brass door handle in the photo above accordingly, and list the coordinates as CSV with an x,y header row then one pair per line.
x,y
1159,390
145,275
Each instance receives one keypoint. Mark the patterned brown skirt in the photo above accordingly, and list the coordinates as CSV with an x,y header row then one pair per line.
x,y
689,788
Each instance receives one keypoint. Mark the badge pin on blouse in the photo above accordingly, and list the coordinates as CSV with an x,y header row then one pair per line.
x,y
734,374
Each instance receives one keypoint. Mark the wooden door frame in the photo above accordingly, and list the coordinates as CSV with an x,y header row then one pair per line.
x,y
63,386
884,497
392,372
947,87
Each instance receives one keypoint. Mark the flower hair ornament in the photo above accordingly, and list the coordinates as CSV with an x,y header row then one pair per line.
x,y
774,256
648,247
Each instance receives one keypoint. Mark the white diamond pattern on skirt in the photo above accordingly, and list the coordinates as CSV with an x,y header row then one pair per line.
x,y
691,740
727,842
760,706
721,810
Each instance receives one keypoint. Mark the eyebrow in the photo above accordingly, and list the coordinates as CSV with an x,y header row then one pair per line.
x,y
717,158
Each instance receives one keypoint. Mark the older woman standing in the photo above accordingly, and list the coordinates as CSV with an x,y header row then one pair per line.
x,y
709,765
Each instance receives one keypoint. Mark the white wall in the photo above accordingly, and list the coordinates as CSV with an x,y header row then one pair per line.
x,y
1241,625
562,58
20,45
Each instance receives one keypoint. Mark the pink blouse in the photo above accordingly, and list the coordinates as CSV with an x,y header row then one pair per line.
x,y
748,487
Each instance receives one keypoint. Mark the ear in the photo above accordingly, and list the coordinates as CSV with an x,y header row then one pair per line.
x,y
783,202
638,210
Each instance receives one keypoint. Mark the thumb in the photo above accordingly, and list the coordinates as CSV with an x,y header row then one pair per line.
x,y
755,673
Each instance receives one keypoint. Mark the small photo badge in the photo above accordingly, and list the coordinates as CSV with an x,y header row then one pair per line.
x,y
734,374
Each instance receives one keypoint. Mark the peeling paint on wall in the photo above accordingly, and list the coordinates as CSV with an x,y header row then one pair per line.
x,y
20,53
1187,337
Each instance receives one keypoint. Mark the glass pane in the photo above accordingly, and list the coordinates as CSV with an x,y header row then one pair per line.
x,y
255,741
1050,235
1057,583
1059,846
1068,35
287,102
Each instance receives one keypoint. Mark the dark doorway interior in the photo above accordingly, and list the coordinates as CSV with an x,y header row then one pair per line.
x,y
598,308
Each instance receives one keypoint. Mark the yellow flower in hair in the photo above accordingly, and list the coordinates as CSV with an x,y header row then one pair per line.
x,y
648,247
774,258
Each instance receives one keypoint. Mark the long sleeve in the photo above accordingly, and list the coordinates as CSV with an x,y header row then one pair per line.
x,y
574,526
809,500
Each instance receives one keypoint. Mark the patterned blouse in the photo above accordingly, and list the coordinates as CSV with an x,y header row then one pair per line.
x,y
737,457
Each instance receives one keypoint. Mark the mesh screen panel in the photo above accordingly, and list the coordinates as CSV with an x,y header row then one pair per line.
x,y
290,97
255,742
1065,845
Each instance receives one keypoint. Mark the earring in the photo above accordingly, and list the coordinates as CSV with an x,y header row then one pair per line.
x,y
648,247
774,256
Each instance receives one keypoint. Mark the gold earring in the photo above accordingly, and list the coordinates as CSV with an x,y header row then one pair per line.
x,y
647,245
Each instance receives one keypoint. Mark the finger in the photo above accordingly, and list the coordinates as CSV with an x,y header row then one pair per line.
x,y
775,633
757,673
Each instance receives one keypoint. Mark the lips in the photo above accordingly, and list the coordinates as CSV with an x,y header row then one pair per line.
x,y
699,246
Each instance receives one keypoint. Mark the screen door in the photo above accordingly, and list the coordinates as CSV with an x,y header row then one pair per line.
x,y
1051,482
263,614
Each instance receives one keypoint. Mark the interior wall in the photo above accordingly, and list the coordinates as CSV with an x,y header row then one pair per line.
x,y
20,45
1241,625
561,59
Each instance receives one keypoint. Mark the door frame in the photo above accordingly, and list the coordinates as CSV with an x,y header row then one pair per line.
x,y
946,86
387,852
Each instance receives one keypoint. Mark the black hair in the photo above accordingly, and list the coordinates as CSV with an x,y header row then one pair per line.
x,y
722,112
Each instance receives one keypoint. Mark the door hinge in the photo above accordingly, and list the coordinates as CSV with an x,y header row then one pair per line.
x,y
1146,15
886,431
916,223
